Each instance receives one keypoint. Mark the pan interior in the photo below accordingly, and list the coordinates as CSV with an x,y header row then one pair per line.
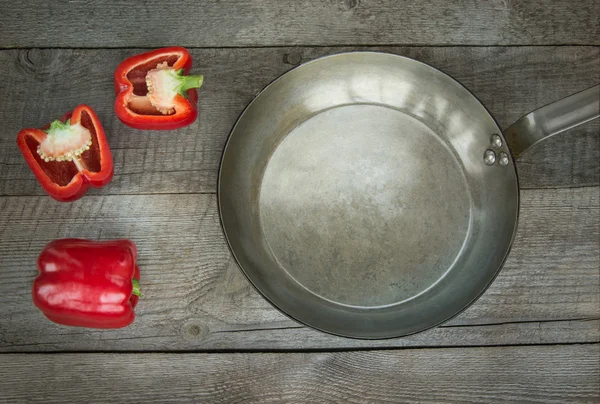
x,y
364,205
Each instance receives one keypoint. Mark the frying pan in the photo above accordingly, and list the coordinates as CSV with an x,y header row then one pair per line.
x,y
370,195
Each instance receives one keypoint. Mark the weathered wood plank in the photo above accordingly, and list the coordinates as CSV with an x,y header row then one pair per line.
x,y
195,297
154,23
43,84
534,374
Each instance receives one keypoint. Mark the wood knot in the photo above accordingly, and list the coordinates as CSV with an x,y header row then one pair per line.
x,y
194,331
45,62
350,4
292,58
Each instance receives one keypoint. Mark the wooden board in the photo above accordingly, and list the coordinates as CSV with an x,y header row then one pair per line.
x,y
533,336
85,23
44,84
195,297
537,374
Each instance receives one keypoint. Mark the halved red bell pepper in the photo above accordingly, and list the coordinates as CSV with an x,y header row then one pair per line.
x,y
153,91
88,283
69,155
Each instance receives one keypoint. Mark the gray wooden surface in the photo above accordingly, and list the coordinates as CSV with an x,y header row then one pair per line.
x,y
533,374
510,81
153,23
534,336
195,297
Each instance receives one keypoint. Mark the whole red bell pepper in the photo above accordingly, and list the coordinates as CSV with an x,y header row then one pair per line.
x,y
88,283
153,91
69,155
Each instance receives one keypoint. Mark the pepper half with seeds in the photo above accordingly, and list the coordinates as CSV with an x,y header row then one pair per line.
x,y
153,91
69,155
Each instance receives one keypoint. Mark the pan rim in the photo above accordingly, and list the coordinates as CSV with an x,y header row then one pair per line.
x,y
363,337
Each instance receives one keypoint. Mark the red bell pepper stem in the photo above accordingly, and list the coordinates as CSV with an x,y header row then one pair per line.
x,y
189,82
136,288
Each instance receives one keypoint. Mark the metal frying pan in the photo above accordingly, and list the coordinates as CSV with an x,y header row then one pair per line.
x,y
370,195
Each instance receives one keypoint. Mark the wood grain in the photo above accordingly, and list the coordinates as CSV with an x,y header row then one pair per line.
x,y
534,374
152,23
197,305
196,298
46,83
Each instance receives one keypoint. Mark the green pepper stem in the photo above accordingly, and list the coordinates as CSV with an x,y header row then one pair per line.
x,y
188,82
58,125
136,288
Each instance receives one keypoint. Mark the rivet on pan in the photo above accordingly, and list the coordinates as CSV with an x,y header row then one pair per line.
x,y
489,157
496,141
503,159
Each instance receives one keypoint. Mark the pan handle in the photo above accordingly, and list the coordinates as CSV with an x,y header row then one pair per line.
x,y
553,119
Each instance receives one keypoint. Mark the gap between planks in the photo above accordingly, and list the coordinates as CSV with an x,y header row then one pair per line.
x,y
295,351
368,45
